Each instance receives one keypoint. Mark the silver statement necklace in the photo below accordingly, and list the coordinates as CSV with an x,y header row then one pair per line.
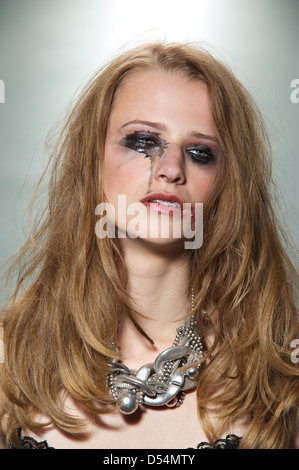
x,y
163,382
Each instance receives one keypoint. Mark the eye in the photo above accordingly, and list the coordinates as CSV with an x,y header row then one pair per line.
x,y
147,143
201,154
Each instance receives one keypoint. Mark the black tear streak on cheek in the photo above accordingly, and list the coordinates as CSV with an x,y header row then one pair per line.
x,y
153,158
150,181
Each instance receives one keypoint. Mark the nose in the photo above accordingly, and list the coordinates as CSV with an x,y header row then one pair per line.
x,y
170,167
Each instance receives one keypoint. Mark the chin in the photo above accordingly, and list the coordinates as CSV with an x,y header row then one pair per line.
x,y
157,245
160,231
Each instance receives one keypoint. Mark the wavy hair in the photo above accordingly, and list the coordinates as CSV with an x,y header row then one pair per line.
x,y
59,325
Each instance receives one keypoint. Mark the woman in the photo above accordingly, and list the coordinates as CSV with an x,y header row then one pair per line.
x,y
169,128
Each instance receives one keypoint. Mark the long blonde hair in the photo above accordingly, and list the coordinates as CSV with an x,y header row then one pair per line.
x,y
71,290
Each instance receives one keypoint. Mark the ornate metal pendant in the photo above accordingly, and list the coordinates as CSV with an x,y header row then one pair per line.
x,y
163,382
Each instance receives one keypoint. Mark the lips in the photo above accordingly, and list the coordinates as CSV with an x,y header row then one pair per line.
x,y
164,202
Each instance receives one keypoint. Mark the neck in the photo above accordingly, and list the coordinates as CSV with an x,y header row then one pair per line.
x,y
157,284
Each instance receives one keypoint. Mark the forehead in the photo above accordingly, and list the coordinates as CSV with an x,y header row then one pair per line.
x,y
168,96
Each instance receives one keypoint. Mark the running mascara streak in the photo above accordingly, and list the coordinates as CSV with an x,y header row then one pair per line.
x,y
147,143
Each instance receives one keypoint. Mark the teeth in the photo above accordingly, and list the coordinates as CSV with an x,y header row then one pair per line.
x,y
167,203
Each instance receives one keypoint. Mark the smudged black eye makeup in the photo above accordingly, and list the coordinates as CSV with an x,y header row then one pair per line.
x,y
151,145
147,143
201,154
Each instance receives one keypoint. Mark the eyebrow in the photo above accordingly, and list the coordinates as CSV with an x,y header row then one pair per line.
x,y
162,127
204,136
156,125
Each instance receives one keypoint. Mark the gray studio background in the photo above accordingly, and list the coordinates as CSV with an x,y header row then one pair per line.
x,y
48,49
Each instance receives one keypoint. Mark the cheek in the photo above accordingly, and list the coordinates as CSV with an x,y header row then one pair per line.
x,y
203,185
125,176
109,175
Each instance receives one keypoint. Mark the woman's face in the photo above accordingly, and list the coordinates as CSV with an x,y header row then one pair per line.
x,y
160,150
